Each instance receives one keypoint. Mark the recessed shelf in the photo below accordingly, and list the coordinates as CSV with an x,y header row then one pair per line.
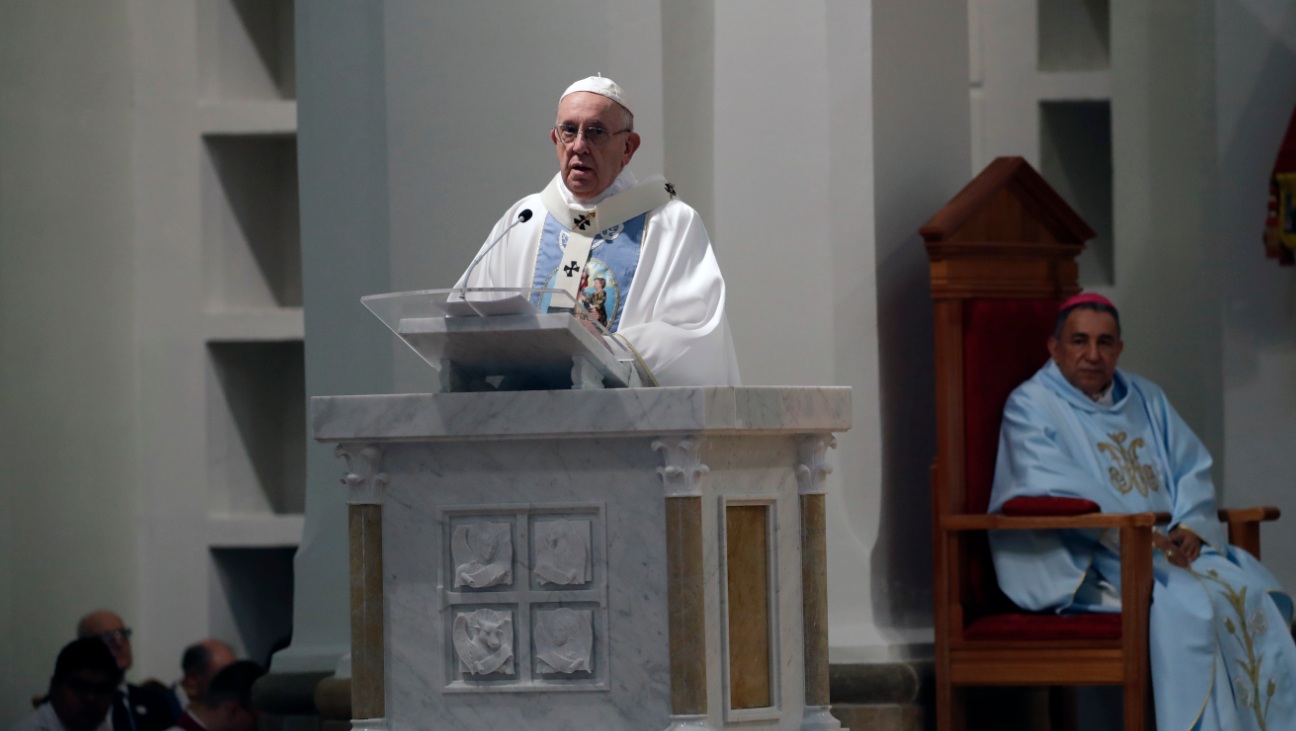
x,y
258,324
250,597
247,49
248,117
1076,159
256,427
1074,35
1073,86
251,231
260,531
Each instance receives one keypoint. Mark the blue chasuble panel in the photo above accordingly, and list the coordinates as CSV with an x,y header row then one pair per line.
x,y
614,258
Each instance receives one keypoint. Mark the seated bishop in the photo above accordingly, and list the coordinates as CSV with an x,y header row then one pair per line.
x,y
1221,650
634,257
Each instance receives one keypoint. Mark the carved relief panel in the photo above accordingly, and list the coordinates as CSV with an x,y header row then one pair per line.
x,y
564,641
483,554
483,641
562,552
525,591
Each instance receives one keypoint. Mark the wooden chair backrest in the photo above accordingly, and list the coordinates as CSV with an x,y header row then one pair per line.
x,y
1002,255
1004,343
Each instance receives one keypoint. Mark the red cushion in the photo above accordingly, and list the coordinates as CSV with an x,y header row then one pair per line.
x,y
1045,627
1043,505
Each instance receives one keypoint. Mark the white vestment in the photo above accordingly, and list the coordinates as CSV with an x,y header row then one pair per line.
x,y
674,313
45,719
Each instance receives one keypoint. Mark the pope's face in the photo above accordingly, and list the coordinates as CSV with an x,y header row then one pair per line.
x,y
1088,350
588,169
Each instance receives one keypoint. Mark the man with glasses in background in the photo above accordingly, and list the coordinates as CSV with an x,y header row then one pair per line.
x,y
663,293
135,708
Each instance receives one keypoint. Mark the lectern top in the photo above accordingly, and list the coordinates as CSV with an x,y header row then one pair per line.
x,y
498,338
623,412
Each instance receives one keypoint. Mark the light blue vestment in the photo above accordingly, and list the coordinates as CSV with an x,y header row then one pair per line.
x,y
614,259
1221,649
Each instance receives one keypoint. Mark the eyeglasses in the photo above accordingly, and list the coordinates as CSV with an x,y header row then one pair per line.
x,y
116,634
594,136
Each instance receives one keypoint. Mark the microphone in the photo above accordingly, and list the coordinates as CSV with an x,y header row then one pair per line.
x,y
522,217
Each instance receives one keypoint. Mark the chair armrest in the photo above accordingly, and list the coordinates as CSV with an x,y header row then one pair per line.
x,y
970,522
1259,514
1244,526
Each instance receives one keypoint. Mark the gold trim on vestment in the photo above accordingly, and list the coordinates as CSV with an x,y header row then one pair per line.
x,y
639,360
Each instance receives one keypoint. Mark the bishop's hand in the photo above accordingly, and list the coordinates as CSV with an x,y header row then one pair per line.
x,y
1173,553
1187,543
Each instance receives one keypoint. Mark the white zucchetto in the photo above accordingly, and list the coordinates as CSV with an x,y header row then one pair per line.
x,y
602,87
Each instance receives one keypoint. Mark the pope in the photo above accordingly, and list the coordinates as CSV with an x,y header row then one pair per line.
x,y
661,292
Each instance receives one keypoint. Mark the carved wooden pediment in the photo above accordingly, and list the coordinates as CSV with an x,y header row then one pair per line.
x,y
1006,234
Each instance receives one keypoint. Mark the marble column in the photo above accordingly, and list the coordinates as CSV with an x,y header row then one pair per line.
x,y
686,583
364,507
811,470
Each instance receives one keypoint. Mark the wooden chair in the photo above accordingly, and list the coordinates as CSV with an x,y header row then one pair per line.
x,y
1002,255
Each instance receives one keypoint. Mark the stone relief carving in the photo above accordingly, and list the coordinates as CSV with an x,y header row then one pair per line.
x,y
813,467
483,639
364,475
483,555
562,552
564,641
682,468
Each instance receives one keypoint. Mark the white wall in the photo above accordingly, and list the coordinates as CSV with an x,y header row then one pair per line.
x,y
1255,58
1166,273
794,232
923,152
342,163
69,504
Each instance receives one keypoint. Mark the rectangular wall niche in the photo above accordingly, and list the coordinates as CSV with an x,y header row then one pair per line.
x,y
251,593
256,449
750,617
1076,159
1074,35
247,50
251,228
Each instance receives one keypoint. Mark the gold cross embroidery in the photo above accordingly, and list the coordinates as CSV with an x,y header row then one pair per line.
x,y
1128,473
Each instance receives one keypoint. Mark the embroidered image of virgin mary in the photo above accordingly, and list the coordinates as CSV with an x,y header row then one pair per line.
x,y
598,294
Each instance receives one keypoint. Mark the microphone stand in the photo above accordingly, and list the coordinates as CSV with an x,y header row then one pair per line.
x,y
522,218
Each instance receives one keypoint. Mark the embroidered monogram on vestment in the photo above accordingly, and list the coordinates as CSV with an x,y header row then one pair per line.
x,y
1128,473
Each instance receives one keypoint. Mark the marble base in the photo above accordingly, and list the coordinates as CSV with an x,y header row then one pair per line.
x,y
498,502
289,694
888,696
689,723
880,716
525,550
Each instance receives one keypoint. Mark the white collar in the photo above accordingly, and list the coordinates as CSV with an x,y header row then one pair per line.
x,y
624,181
